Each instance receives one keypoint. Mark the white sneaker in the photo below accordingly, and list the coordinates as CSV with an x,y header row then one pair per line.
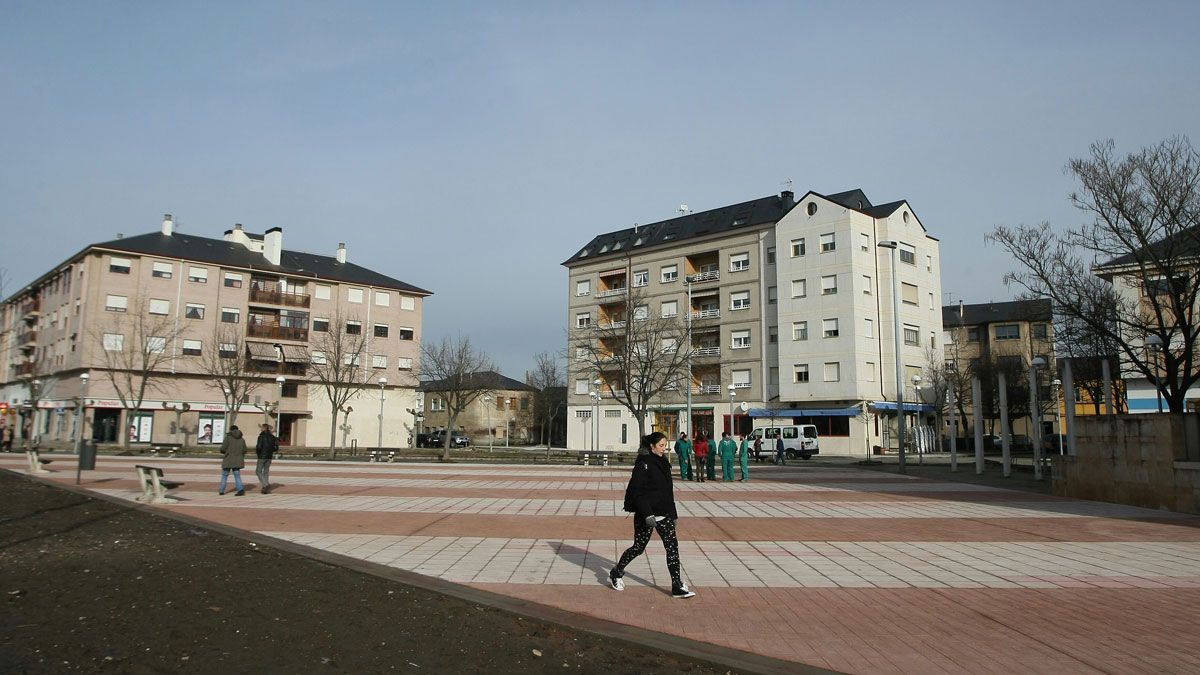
x,y
681,591
617,583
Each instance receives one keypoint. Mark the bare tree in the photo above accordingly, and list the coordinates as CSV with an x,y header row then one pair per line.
x,y
457,373
337,369
1132,272
1086,351
135,348
550,381
939,380
227,365
637,355
39,388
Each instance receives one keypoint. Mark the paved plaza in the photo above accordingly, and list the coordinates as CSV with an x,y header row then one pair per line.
x,y
834,567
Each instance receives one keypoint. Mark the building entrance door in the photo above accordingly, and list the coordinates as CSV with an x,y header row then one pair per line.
x,y
287,426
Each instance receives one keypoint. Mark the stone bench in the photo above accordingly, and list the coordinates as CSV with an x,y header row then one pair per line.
x,y
36,463
601,456
379,455
169,449
154,486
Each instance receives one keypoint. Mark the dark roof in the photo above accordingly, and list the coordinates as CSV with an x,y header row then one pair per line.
x,y
993,312
883,210
852,199
232,254
487,379
1180,244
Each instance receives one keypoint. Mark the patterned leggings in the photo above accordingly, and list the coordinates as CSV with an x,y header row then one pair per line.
x,y
641,537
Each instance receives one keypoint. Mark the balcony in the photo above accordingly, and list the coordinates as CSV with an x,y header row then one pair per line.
x,y
274,368
700,351
31,310
702,389
27,338
705,276
23,369
611,325
276,332
613,293
699,314
270,294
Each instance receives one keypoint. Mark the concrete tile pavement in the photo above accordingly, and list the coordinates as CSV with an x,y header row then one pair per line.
x,y
848,570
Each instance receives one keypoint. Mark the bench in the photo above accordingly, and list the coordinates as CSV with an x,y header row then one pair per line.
x,y
168,448
36,463
601,456
378,455
154,486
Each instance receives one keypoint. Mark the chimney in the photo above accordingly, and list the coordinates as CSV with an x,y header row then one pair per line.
x,y
168,227
341,252
237,235
273,244
787,198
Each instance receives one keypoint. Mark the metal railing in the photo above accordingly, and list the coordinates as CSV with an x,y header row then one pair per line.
x,y
706,389
267,330
706,314
706,351
711,275
612,293
274,296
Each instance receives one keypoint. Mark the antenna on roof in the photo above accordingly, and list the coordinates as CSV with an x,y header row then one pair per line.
x,y
635,228
684,210
787,182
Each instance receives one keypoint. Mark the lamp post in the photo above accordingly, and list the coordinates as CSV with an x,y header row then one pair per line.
x,y
228,405
507,420
916,380
894,246
382,384
1058,402
83,379
1035,419
1155,344
687,282
732,426
487,403
596,414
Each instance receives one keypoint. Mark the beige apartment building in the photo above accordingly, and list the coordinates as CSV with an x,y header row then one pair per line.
x,y
501,416
790,303
280,301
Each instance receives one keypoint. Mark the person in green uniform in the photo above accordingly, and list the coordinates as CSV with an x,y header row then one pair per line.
x,y
683,448
727,448
745,457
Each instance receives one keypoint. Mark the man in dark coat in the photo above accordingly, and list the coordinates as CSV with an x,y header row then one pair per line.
x,y
234,449
265,449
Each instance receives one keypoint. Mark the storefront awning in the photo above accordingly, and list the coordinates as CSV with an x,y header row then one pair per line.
x,y
805,412
262,351
295,353
890,406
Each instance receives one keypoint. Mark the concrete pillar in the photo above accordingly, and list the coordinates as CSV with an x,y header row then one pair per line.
x,y
1035,421
977,408
1005,427
1068,394
953,430
1106,375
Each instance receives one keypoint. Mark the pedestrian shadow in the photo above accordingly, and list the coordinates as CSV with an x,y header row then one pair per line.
x,y
595,563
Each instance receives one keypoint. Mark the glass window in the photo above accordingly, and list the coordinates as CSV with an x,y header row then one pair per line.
x,y
670,273
233,280
406,333
404,363
799,288
317,358
114,342
641,313
408,302
829,284
741,339
772,295
641,278
770,255
116,303
378,361
739,300
320,325
739,262
581,387
162,270
193,311
1040,330
198,274
191,347
156,345
353,328
908,254
972,333
583,320
230,315
828,243
829,328
322,291
354,295
1008,331
773,334
118,265
583,287
383,299
912,335
908,293
797,247
227,350
741,379
670,309
773,376
160,307
799,330
381,330
800,373
864,242
833,371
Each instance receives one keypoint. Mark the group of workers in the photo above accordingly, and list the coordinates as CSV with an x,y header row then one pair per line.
x,y
703,456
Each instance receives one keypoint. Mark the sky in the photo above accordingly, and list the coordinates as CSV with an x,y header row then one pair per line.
x,y
470,148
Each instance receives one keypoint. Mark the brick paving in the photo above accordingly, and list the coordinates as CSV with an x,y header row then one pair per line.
x,y
844,569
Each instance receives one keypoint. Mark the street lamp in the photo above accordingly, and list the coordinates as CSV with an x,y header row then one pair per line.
x,y
1155,344
279,380
596,414
83,379
687,282
1058,404
1035,418
508,421
894,246
228,404
382,384
487,403
732,426
916,380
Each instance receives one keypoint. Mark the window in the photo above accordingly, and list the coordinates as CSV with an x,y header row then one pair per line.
x,y
160,307
583,414
741,339
233,280
230,315
116,303
320,325
353,328
162,270
351,359
869,372
833,371
828,243
354,295
799,330
908,293
972,333
641,278
669,345
770,255
739,300
739,262
773,334
811,209
114,342
379,361
193,311
1040,330
799,288
404,363
406,333
670,309
383,299
156,345
869,328
829,328
772,295
612,413
867,286
438,405
933,339
322,291
191,347
864,242
581,387
931,301
317,358
929,263
641,313
583,320
381,330
908,254
912,335
670,273
829,285
583,288
227,350
773,376
1008,331
581,353
741,379
289,390
407,302
118,265
800,373
797,248
198,274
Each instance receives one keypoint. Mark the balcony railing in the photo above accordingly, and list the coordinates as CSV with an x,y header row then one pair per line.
x,y
273,296
271,367
711,275
611,324
612,293
23,369
614,393
706,314
706,351
277,332
27,337
706,389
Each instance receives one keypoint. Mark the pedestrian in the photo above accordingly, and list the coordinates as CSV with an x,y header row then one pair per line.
x,y
701,452
265,449
650,498
710,465
779,451
744,455
8,438
683,449
727,448
758,449
234,449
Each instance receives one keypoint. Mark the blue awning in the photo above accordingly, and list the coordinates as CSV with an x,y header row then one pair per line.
x,y
805,412
908,407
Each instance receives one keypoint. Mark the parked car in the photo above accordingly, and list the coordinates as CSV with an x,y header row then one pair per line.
x,y
437,439
425,439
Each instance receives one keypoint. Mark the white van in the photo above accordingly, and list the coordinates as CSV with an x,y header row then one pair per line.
x,y
799,440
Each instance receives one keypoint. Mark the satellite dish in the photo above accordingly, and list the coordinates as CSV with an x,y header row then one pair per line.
x,y
744,406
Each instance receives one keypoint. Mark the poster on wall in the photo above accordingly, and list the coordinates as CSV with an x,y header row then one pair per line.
x,y
141,427
212,429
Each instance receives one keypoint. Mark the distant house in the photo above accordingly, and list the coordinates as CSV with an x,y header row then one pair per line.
x,y
504,413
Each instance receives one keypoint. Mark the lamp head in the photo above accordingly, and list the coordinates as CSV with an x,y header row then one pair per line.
x,y
280,380
889,243
383,381
1153,341
1038,362
85,377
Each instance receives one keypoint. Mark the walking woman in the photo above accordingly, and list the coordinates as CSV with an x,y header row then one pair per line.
x,y
234,449
650,498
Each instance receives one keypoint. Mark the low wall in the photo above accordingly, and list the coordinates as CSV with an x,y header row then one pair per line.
x,y
1138,460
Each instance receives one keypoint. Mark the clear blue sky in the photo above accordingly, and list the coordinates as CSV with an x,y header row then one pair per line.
x,y
469,148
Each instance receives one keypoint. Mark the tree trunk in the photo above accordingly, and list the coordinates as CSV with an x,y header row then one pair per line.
x,y
333,434
125,429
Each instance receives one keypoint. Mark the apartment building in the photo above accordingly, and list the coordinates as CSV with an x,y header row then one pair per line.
x,y
280,301
790,305
502,415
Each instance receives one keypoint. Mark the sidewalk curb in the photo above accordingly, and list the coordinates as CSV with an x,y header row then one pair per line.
x,y
715,655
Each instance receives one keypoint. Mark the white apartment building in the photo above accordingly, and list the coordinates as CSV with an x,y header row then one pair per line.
x,y
791,303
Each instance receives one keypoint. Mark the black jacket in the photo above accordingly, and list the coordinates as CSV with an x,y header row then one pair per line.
x,y
267,445
649,492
